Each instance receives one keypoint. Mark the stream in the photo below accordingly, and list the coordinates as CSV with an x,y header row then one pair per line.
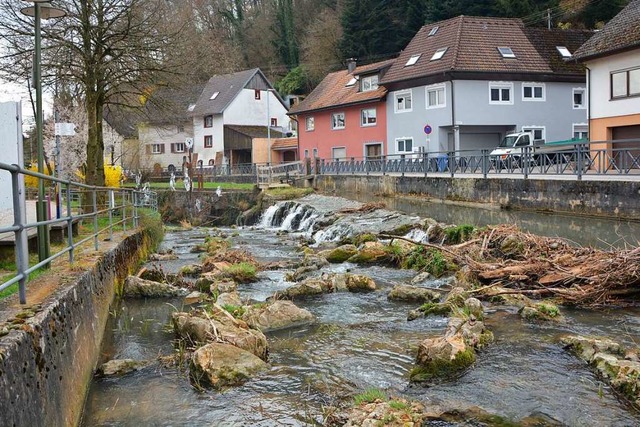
x,y
359,341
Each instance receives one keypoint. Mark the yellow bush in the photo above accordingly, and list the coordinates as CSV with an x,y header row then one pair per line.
x,y
112,175
32,181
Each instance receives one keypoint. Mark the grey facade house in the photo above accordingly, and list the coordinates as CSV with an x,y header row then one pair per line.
x,y
463,83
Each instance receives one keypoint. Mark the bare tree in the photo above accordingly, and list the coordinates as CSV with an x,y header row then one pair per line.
x,y
104,51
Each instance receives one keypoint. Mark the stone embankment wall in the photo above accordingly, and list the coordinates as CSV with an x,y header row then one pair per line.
x,y
47,365
619,199
205,207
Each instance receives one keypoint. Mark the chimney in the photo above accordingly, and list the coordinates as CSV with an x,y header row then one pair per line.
x,y
351,65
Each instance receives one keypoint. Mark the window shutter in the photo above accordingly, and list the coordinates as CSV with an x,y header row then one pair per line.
x,y
173,147
148,148
161,148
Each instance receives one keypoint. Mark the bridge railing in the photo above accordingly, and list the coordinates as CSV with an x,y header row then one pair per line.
x,y
577,159
105,207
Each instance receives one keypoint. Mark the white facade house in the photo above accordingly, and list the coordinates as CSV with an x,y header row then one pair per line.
x,y
245,98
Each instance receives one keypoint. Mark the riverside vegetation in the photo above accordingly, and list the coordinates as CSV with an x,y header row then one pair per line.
x,y
462,275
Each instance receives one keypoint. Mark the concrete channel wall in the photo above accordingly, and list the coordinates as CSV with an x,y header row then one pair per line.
x,y
618,199
46,367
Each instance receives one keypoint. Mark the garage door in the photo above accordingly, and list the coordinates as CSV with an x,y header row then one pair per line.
x,y
479,141
627,132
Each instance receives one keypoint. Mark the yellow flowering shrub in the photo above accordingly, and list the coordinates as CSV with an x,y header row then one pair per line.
x,y
32,181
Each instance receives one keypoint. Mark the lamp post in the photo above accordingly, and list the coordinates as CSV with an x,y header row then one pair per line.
x,y
40,10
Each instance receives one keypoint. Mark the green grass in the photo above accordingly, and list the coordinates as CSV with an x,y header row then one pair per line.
x,y
548,309
459,233
236,311
369,395
242,272
285,193
206,185
399,405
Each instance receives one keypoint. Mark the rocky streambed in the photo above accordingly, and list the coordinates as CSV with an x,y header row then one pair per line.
x,y
316,316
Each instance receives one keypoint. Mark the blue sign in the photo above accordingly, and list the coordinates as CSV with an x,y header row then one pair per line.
x,y
427,129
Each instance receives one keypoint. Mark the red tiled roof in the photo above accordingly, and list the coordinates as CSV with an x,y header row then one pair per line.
x,y
472,45
622,32
333,90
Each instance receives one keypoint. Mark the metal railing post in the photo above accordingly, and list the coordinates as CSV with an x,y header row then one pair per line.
x,y
402,164
123,201
22,245
95,218
135,209
525,166
384,165
451,161
485,163
111,207
579,161
425,163
69,224
353,168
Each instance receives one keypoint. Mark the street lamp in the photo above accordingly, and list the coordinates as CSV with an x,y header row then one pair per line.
x,y
40,10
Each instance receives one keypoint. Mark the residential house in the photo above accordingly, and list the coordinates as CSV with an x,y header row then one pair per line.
x,y
463,83
612,58
239,99
258,142
345,115
165,127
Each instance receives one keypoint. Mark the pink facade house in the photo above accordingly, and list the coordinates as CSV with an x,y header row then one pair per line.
x,y
345,116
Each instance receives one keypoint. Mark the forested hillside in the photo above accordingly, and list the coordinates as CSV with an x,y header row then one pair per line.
x,y
313,37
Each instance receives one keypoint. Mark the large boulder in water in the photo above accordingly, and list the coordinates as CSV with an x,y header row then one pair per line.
x,y
370,253
229,298
277,315
119,367
221,327
328,283
221,365
413,294
339,254
135,287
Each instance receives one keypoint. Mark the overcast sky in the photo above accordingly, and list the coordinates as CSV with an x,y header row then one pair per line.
x,y
16,92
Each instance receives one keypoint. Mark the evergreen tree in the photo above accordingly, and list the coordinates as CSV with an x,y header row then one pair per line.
x,y
286,41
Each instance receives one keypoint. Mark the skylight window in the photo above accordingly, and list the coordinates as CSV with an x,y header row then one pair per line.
x,y
215,95
412,60
564,51
506,52
191,107
433,31
352,82
439,53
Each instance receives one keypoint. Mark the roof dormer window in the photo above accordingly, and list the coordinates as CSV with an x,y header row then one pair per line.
x,y
439,53
215,95
433,31
506,52
564,51
369,83
412,60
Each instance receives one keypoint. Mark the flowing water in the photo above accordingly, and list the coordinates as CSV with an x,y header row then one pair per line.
x,y
359,341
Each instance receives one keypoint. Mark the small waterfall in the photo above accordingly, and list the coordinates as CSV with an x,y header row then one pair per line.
x,y
335,233
418,235
289,216
267,217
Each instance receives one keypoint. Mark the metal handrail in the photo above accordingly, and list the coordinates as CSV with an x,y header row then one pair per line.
x,y
577,159
130,201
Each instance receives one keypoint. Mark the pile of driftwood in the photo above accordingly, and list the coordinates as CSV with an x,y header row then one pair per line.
x,y
505,257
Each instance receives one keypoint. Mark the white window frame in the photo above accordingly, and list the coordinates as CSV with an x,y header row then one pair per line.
x,y
580,125
533,128
413,60
179,144
404,139
564,52
533,86
375,117
372,82
156,148
334,121
205,141
582,106
441,103
400,94
310,123
501,85
506,52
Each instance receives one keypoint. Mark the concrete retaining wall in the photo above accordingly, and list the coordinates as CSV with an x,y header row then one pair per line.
x,y
46,367
617,199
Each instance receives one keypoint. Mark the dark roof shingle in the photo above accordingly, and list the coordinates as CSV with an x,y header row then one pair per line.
x,y
254,131
227,86
170,105
622,32
333,90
